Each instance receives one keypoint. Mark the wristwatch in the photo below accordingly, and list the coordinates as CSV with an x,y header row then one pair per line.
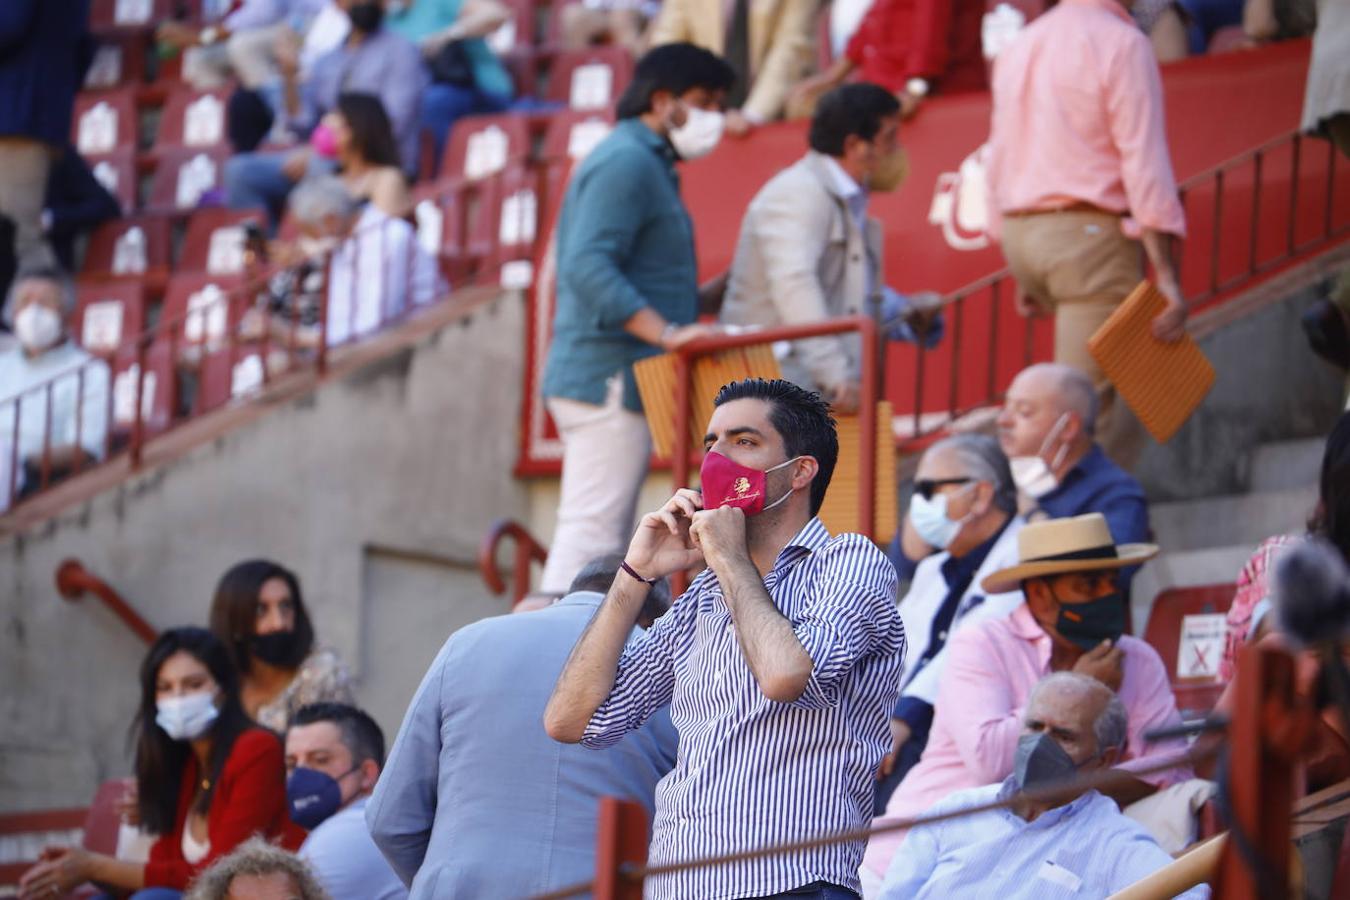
x,y
917,87
209,35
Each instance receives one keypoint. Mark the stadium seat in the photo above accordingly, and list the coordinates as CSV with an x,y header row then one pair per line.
x,y
120,15
228,374
480,146
182,175
102,821
119,59
108,314
572,134
214,243
200,310
590,79
159,390
1167,632
515,223
516,36
192,118
136,248
104,121
437,215
116,171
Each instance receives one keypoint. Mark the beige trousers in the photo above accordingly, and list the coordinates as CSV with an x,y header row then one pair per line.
x,y
1079,266
605,452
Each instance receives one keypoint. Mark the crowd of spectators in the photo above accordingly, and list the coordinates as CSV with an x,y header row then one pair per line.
x,y
794,688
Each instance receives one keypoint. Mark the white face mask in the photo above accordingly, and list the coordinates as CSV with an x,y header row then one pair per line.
x,y
314,247
929,518
37,327
700,133
187,718
1032,474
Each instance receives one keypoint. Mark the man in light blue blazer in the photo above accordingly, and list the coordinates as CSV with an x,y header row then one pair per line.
x,y
476,799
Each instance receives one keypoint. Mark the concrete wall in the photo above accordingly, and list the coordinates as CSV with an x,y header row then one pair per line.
x,y
1269,387
376,489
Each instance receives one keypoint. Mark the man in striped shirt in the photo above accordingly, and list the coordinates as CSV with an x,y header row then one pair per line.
x,y
780,663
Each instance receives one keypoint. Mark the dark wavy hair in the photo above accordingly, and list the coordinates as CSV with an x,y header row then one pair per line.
x,y
234,610
801,418
372,134
159,758
1331,520
677,69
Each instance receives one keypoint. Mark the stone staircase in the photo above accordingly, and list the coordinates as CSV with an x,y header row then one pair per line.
x,y
1207,540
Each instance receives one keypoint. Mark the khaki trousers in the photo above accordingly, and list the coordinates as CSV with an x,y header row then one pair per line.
x,y
23,189
1079,266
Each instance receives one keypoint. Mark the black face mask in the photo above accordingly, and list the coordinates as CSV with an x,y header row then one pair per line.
x,y
276,648
366,17
1088,624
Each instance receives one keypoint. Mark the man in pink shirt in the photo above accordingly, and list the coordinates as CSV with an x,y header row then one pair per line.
x,y
1080,176
1073,620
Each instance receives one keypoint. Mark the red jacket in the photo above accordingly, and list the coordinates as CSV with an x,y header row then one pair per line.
x,y
249,799
934,39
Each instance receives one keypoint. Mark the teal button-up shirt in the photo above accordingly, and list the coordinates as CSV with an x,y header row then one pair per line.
x,y
625,241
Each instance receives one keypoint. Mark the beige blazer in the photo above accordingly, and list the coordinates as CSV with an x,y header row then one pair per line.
x,y
801,257
781,43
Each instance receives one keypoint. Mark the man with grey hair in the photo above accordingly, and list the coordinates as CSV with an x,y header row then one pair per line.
x,y
257,869
476,800
53,394
1081,845
964,506
377,269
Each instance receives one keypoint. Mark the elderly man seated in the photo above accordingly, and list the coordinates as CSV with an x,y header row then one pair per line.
x,y
1073,620
1080,845
53,395
965,505
254,871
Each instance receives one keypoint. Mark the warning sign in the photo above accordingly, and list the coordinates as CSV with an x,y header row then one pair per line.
x,y
1201,646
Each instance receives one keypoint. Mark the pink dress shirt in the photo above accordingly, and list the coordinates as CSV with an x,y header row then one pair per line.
x,y
991,668
1078,117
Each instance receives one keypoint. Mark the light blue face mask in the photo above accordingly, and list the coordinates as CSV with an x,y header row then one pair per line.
x,y
929,518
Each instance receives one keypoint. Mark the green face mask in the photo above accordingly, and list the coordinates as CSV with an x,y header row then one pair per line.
x,y
1088,624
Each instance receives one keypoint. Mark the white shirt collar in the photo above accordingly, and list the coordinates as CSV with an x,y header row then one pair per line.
x,y
843,182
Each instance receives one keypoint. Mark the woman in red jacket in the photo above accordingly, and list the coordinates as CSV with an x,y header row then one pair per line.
x,y
207,777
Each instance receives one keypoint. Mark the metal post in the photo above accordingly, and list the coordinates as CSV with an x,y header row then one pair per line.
x,y
620,841
137,423
867,424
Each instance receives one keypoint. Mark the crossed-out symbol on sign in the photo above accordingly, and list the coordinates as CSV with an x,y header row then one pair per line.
x,y
1201,664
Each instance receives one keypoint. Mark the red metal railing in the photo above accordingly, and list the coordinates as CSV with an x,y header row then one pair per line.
x,y
230,343
527,552
73,581
1249,219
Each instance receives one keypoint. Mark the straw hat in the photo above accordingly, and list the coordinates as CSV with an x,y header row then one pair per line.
x,y
1076,544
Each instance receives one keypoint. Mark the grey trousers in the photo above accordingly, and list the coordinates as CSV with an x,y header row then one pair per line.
x,y
24,163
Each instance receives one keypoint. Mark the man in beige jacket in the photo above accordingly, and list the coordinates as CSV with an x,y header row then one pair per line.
x,y
807,250
770,44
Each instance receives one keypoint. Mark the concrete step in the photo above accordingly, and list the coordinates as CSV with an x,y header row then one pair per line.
x,y
1233,520
1285,464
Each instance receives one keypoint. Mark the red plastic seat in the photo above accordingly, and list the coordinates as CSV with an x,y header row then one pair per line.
x,y
192,118
104,121
1164,633
135,248
181,177
214,243
572,134
438,218
116,15
200,310
118,60
158,384
515,223
516,35
116,171
481,146
228,374
102,820
108,314
590,79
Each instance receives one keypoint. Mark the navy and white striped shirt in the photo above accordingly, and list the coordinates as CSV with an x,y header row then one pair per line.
x,y
749,771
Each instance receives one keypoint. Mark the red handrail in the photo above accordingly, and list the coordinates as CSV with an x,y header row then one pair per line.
x,y
73,581
528,551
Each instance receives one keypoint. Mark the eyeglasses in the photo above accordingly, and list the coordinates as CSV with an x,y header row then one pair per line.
x,y
926,487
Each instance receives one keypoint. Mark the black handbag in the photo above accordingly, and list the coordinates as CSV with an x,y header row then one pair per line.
x,y
451,65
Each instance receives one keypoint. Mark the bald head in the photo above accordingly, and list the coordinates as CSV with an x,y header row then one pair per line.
x,y
1082,714
1047,403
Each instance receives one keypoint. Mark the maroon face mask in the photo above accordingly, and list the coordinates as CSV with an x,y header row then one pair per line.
x,y
728,483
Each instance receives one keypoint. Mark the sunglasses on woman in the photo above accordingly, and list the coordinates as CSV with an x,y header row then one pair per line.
x,y
927,487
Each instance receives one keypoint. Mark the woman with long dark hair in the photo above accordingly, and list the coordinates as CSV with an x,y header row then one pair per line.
x,y
358,135
207,777
259,614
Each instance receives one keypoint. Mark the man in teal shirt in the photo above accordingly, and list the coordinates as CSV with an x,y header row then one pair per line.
x,y
627,289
